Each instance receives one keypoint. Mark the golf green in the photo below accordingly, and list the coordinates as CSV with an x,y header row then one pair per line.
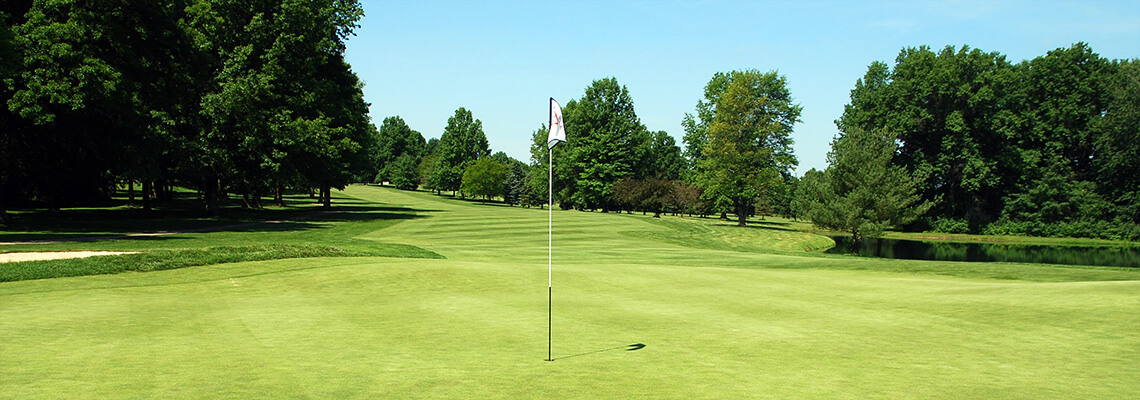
x,y
722,312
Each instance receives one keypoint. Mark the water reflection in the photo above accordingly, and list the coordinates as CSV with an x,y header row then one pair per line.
x,y
986,252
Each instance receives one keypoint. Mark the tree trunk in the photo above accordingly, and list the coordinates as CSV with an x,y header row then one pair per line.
x,y
211,186
741,212
279,196
326,193
131,192
147,186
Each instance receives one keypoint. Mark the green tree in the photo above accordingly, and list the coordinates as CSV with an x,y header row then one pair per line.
x,y
96,80
486,177
283,105
462,144
861,193
395,140
606,132
403,173
1060,98
748,142
949,109
536,187
515,183
1117,143
662,157
697,126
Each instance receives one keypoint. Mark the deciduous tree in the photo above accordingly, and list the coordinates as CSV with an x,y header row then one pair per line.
x,y
749,140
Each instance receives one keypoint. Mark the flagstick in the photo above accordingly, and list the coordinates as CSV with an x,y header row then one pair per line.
x,y
550,255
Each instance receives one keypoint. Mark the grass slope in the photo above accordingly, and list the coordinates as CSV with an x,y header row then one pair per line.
x,y
721,319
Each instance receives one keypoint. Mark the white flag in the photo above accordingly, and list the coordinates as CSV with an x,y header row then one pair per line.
x,y
557,128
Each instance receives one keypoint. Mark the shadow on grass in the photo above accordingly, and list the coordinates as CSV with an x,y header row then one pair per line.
x,y
95,224
770,225
630,347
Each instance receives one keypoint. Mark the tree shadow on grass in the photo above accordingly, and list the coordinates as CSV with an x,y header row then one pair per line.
x,y
89,225
771,225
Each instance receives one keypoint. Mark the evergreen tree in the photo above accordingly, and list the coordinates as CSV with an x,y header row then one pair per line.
x,y
861,192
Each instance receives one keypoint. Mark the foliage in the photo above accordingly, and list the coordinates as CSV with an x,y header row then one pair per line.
x,y
861,192
516,179
395,140
461,144
950,225
486,177
947,110
748,142
403,172
219,95
1117,141
604,135
1044,141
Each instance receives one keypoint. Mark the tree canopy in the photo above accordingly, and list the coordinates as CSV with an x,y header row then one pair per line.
x,y
1036,147
746,146
218,95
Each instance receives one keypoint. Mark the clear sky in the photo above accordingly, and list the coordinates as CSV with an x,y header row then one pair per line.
x,y
502,60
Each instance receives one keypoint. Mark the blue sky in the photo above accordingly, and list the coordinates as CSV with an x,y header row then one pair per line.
x,y
502,60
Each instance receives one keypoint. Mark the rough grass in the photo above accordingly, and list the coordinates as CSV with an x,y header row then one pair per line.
x,y
718,320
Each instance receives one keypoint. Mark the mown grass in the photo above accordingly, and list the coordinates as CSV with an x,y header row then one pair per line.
x,y
185,238
724,319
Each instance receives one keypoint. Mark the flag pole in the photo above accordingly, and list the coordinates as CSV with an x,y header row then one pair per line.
x,y
550,254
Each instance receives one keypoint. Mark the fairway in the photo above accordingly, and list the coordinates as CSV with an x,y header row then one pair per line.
x,y
723,313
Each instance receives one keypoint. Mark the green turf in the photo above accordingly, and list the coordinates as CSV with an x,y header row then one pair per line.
x,y
741,315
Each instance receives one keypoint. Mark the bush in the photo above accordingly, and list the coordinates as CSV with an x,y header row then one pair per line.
x,y
950,225
1120,230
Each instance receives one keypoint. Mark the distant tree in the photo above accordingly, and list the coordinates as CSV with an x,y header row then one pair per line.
x,y
748,143
1117,144
486,177
462,144
950,110
515,183
662,158
686,198
1059,101
861,192
697,126
427,172
396,139
403,172
781,197
605,131
536,187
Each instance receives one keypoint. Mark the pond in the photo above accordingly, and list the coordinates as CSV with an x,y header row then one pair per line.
x,y
990,252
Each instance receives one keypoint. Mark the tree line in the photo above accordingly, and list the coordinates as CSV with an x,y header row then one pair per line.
x,y
1043,147
254,97
224,96
956,141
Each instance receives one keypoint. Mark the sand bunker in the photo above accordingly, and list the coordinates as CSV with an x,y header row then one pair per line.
x,y
56,255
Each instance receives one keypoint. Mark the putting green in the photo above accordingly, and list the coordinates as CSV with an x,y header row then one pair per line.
x,y
716,322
